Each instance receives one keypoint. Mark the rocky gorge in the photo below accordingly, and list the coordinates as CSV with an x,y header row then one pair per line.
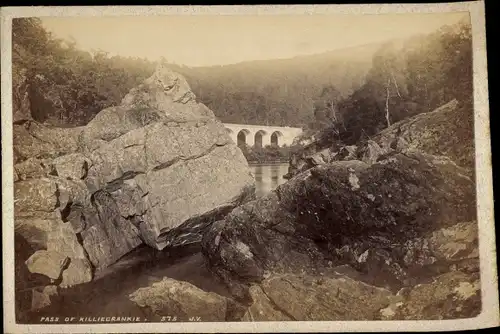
x,y
382,230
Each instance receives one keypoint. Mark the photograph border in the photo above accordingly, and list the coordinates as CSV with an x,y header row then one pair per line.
x,y
489,315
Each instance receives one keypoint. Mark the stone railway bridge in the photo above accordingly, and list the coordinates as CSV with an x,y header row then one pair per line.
x,y
262,135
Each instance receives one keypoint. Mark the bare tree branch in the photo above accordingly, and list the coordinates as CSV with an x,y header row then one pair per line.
x,y
395,83
387,103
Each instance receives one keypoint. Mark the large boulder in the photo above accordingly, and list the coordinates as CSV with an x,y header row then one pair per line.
x,y
42,296
309,298
449,296
34,140
392,221
53,236
48,263
448,131
156,169
184,301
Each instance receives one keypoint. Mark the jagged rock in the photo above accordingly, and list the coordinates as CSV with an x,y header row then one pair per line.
x,y
347,153
321,157
34,140
450,296
458,242
158,168
79,271
391,263
71,166
440,132
171,182
184,300
53,235
72,193
314,154
448,131
300,162
35,195
41,296
33,168
24,279
111,236
371,152
306,298
262,308
43,196
164,97
308,220
47,263
48,232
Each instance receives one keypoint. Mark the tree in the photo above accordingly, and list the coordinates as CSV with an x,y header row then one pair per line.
x,y
326,112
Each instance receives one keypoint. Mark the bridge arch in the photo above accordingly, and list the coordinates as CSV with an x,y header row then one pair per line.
x,y
242,137
257,135
276,138
261,139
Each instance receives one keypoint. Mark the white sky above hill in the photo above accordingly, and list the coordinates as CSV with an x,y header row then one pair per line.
x,y
206,40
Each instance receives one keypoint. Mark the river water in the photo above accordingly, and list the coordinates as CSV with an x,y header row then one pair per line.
x,y
268,177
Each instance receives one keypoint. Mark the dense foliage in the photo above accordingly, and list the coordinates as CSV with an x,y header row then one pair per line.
x,y
69,86
278,92
347,94
416,76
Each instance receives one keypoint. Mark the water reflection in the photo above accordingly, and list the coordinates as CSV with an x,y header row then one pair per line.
x,y
268,177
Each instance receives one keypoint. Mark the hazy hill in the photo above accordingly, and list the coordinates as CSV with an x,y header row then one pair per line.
x,y
280,91
348,90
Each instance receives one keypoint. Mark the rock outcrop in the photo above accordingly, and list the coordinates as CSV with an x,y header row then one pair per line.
x,y
157,169
393,224
450,296
308,298
184,301
447,131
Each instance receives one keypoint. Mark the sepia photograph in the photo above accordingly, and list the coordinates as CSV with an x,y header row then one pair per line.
x,y
186,168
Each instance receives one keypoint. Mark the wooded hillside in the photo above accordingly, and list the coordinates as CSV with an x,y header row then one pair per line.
x,y
352,92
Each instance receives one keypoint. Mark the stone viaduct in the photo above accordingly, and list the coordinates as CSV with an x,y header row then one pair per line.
x,y
262,135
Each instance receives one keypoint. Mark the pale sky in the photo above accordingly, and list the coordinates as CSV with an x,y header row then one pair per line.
x,y
205,40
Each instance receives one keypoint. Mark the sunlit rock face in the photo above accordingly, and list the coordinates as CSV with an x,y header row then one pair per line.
x,y
156,169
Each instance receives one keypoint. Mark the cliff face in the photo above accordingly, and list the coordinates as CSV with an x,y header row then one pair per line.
x,y
157,169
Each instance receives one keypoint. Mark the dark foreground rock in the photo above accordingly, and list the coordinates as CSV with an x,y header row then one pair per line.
x,y
450,296
399,222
